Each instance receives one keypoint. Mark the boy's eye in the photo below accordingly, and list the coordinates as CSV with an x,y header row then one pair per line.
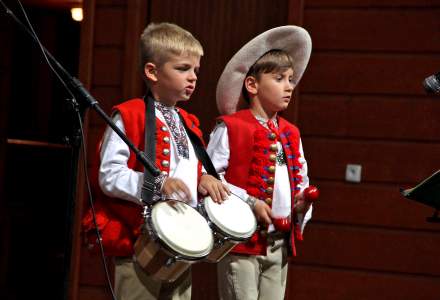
x,y
182,68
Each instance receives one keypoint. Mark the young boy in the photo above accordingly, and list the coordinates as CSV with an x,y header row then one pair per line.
x,y
261,157
170,62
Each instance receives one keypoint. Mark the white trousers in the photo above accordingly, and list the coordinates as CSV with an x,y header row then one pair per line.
x,y
132,283
252,277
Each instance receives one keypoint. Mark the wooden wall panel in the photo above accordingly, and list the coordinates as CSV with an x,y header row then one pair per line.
x,y
343,4
362,102
110,26
378,205
376,249
107,66
392,162
367,73
312,283
399,30
383,117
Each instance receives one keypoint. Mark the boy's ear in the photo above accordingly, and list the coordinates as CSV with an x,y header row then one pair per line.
x,y
150,71
251,85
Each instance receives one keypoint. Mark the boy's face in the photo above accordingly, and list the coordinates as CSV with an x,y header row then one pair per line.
x,y
274,90
176,79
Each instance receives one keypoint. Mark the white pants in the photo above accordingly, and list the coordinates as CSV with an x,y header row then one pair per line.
x,y
252,277
132,283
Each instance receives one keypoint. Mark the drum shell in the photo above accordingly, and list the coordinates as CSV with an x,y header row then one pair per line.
x,y
223,242
223,245
157,261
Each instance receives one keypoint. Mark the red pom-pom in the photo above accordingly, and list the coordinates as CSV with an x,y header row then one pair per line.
x,y
281,224
311,193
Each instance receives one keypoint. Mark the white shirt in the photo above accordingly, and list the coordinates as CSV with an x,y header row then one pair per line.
x,y
218,150
117,180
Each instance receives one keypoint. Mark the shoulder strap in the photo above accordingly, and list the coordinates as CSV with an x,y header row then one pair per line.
x,y
150,149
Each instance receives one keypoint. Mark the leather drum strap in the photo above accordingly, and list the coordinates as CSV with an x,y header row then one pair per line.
x,y
150,150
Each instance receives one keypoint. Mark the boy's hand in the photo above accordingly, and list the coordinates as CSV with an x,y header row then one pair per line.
x,y
214,187
301,204
176,189
263,212
306,198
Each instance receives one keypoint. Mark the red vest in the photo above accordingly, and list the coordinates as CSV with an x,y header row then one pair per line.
x,y
119,220
252,162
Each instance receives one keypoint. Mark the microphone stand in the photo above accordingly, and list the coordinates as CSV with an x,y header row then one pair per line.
x,y
77,90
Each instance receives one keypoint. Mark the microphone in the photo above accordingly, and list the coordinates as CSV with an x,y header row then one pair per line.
x,y
432,84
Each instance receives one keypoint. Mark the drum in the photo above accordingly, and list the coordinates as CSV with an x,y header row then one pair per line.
x,y
232,222
174,236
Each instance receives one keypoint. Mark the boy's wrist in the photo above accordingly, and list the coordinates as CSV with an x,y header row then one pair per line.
x,y
251,201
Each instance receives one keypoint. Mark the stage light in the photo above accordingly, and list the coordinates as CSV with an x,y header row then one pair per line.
x,y
77,13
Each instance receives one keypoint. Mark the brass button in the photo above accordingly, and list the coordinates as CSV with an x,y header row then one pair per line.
x,y
272,136
166,139
269,190
271,169
165,163
271,180
273,147
164,128
165,173
268,201
166,151
272,157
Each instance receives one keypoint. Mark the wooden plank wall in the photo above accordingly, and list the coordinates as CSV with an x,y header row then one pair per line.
x,y
362,102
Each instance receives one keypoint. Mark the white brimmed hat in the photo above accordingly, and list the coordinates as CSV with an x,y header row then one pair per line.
x,y
293,40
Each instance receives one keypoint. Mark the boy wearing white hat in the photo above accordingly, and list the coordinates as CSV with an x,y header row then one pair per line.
x,y
260,155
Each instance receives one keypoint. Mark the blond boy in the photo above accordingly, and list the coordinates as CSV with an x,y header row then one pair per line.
x,y
170,62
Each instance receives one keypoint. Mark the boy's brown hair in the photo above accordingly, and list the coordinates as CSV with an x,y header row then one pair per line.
x,y
273,61
160,40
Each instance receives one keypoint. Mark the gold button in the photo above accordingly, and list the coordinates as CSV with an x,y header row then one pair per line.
x,y
272,136
263,232
166,151
271,180
272,169
166,139
165,173
272,157
164,128
273,147
165,163
269,190
268,201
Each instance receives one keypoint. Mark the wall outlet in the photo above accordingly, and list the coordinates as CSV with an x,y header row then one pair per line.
x,y
353,173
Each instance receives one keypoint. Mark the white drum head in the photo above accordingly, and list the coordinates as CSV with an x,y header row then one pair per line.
x,y
234,216
182,228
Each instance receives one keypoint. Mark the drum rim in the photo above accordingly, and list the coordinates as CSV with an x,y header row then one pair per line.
x,y
160,239
222,231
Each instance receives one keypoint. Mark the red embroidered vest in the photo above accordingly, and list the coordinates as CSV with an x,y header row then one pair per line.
x,y
119,220
252,160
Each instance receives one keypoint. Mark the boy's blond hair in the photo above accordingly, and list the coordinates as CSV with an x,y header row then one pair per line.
x,y
160,40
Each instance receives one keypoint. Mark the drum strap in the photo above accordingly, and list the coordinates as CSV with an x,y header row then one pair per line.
x,y
150,149
200,151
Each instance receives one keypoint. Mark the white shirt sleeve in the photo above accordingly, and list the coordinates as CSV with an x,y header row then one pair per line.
x,y
116,179
303,218
218,148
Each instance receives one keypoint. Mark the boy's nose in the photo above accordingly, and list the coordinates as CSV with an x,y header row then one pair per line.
x,y
192,76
